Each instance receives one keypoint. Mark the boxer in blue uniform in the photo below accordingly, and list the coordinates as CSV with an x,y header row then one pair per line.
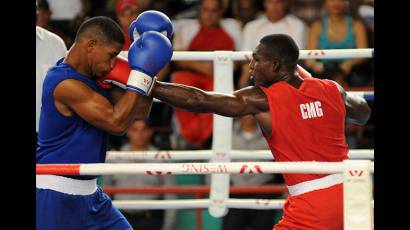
x,y
77,114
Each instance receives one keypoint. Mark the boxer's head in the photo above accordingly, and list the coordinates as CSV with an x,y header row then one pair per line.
x,y
275,57
100,40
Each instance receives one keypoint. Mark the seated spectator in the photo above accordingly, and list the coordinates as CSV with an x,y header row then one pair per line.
x,y
364,10
139,137
44,14
277,20
208,33
45,41
192,11
66,17
307,10
126,12
245,10
337,29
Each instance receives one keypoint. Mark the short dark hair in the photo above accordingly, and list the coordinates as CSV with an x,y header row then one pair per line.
x,y
281,47
102,28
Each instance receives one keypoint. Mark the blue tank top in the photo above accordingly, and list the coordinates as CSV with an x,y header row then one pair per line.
x,y
67,139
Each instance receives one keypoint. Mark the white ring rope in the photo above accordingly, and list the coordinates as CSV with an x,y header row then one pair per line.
x,y
262,204
207,154
195,168
247,55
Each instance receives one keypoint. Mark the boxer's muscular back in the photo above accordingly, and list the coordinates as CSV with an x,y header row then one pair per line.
x,y
308,123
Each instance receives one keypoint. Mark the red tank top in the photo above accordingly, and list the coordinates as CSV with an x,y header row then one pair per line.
x,y
210,39
308,124
196,128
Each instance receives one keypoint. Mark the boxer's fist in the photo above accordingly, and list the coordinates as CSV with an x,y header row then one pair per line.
x,y
151,20
117,76
146,57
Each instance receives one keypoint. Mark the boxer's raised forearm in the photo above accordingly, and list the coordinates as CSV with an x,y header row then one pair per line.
x,y
129,107
143,107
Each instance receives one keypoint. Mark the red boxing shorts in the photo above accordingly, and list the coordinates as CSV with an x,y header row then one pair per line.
x,y
316,210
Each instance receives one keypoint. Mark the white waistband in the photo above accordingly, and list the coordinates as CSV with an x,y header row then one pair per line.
x,y
66,185
316,184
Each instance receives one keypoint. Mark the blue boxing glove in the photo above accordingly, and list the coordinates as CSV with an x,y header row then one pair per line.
x,y
146,57
151,20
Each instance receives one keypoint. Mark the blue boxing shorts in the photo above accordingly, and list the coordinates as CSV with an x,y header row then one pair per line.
x,y
69,204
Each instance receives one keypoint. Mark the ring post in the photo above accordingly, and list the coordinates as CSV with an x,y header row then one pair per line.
x,y
357,195
222,135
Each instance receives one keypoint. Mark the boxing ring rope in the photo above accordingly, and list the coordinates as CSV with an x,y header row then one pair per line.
x,y
198,191
207,154
303,54
260,189
367,95
195,168
197,203
260,204
247,55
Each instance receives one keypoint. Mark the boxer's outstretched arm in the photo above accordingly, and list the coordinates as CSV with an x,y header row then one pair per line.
x,y
357,110
250,100
97,110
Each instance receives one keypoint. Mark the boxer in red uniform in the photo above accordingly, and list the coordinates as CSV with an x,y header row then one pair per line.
x,y
302,118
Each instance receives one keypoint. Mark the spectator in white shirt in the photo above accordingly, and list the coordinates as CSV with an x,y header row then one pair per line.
x,y
49,49
277,20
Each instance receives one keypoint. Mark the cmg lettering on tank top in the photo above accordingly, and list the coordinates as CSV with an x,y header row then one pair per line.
x,y
311,110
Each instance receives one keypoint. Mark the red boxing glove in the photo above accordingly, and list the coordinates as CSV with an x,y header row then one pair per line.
x,y
302,72
117,76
